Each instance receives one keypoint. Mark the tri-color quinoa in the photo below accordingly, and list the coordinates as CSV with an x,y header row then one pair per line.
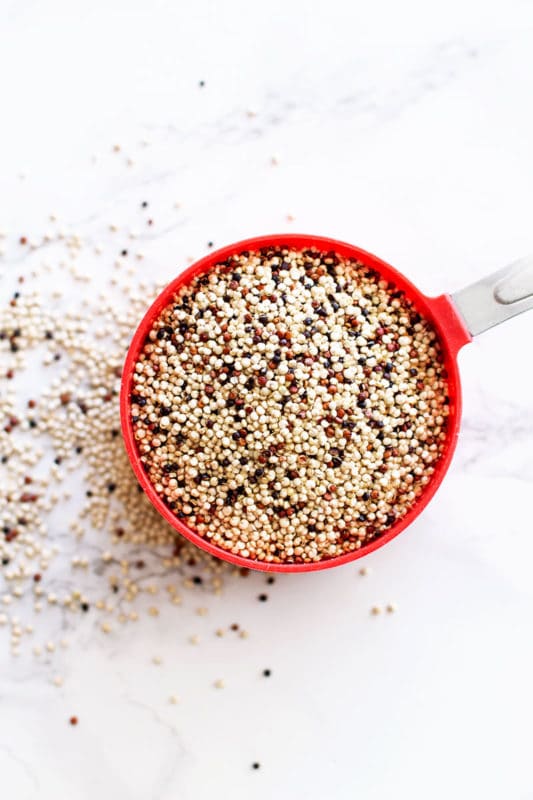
x,y
289,405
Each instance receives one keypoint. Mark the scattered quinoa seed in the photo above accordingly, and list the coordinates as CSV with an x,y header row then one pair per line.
x,y
66,427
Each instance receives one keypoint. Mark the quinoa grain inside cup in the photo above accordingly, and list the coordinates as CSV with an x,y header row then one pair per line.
x,y
289,405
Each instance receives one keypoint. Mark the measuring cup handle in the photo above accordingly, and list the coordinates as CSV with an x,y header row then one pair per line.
x,y
498,297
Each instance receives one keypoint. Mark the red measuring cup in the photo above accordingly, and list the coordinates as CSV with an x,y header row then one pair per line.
x,y
456,318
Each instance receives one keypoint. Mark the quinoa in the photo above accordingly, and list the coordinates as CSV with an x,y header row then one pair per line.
x,y
290,406
79,540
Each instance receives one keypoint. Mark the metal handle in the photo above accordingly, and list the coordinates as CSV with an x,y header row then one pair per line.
x,y
498,297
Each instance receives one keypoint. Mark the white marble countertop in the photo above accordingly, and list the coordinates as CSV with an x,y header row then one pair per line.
x,y
406,129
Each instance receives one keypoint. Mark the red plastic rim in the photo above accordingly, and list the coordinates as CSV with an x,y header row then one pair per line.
x,y
440,311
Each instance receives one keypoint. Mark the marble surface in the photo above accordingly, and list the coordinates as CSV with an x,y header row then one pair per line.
x,y
406,129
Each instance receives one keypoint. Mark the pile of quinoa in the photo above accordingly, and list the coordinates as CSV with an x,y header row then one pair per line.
x,y
290,406
79,541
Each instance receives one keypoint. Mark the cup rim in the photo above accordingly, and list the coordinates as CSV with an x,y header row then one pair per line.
x,y
428,306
